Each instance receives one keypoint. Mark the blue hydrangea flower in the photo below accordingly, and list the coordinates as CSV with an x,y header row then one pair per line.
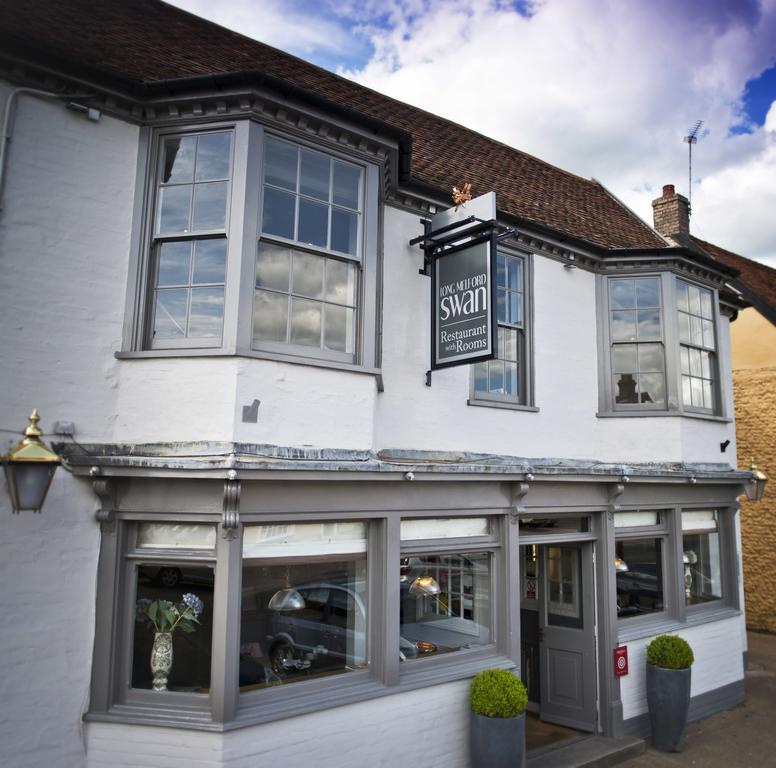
x,y
194,603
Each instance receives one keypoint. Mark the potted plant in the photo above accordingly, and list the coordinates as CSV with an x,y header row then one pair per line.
x,y
669,659
164,617
497,735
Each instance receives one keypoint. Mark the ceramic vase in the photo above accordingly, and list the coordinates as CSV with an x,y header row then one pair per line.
x,y
161,659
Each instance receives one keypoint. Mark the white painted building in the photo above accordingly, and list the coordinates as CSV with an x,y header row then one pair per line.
x,y
209,294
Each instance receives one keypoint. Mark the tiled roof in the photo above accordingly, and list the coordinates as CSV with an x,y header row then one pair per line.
x,y
757,282
141,42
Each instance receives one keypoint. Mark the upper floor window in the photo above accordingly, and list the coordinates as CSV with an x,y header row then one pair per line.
x,y
658,345
311,215
504,380
189,252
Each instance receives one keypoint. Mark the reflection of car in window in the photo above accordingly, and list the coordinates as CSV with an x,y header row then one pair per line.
x,y
639,589
329,632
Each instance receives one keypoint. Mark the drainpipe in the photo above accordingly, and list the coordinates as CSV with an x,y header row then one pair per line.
x,y
9,112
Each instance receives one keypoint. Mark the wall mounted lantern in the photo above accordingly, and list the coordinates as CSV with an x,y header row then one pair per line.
x,y
755,488
29,468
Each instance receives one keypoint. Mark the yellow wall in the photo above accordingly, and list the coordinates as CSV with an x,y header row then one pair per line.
x,y
753,339
754,386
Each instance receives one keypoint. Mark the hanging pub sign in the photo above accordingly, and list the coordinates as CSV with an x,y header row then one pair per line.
x,y
461,244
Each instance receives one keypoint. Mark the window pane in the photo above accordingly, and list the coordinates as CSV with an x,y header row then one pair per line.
x,y
314,175
639,576
270,318
209,261
302,620
170,314
346,185
509,348
564,581
684,359
313,223
703,520
623,326
175,536
649,324
682,296
708,333
280,165
647,292
160,587
174,262
213,156
684,328
444,528
272,267
278,216
702,568
344,231
706,365
174,204
696,331
652,387
338,331
696,388
538,525
340,282
209,205
686,391
510,378
179,159
695,362
635,519
708,396
445,603
304,539
305,322
502,306
307,275
515,308
501,265
695,299
206,313
496,376
650,357
706,305
515,274
622,294
624,358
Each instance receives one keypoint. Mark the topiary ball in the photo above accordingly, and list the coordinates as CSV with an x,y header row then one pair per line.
x,y
670,652
497,693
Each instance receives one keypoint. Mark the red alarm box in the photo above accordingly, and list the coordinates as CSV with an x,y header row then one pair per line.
x,y
621,661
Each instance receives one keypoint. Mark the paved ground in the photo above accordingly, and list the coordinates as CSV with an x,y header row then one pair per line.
x,y
744,737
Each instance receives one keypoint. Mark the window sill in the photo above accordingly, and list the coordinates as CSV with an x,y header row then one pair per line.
x,y
662,414
499,404
152,354
267,709
669,624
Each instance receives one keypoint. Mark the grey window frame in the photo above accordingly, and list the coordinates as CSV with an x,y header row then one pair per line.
x,y
525,399
243,233
670,330
224,706
663,530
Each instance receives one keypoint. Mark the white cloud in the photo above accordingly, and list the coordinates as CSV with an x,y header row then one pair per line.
x,y
604,89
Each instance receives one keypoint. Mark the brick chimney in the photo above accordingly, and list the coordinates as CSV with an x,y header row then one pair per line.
x,y
671,214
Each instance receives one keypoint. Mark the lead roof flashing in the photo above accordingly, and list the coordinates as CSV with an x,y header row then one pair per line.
x,y
245,459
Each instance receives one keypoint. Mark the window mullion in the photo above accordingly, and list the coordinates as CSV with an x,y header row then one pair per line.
x,y
225,659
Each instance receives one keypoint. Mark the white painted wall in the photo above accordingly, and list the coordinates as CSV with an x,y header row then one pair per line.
x,y
565,365
64,239
427,727
718,649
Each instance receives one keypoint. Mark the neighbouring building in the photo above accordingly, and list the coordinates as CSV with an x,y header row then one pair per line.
x,y
753,348
209,293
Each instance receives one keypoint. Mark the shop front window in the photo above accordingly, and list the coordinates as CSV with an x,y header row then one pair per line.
x,y
304,602
639,576
701,557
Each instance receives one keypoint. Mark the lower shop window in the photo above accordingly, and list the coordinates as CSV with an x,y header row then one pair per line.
x,y
304,602
701,557
639,576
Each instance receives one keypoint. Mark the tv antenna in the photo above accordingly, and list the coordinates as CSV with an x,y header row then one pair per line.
x,y
691,138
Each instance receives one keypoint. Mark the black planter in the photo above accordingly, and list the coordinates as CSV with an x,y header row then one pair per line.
x,y
497,742
668,698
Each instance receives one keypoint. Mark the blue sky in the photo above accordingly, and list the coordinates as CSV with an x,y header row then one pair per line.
x,y
602,88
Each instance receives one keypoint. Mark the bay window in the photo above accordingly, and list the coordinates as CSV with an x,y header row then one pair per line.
x,y
658,346
231,204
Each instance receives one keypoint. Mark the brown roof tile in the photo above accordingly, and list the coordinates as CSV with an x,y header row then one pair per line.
x,y
146,41
756,281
